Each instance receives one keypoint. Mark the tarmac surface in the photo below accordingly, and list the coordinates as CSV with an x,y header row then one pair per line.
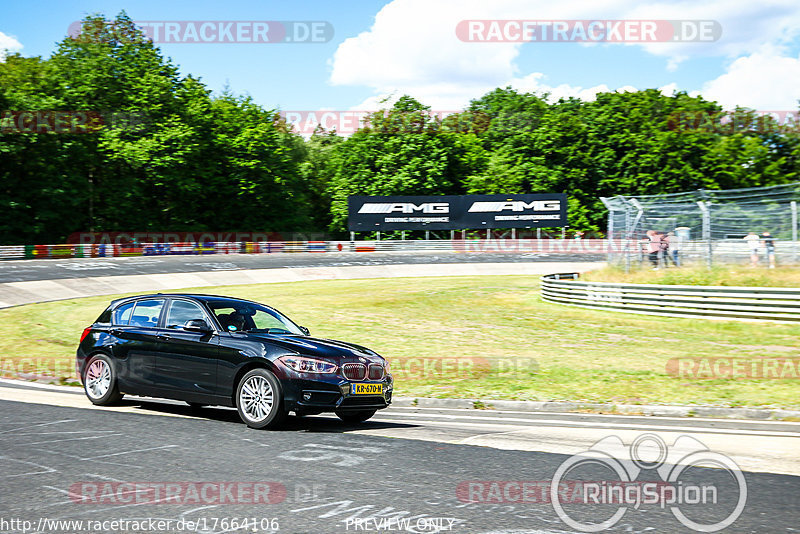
x,y
68,466
51,269
443,470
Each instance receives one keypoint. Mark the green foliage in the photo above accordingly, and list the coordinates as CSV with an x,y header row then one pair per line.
x,y
170,155
401,151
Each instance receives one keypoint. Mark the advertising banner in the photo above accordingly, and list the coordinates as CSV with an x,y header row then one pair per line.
x,y
454,212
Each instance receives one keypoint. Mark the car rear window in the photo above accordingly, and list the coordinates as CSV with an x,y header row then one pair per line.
x,y
146,313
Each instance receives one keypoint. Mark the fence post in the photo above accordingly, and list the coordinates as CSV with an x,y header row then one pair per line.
x,y
610,233
706,230
628,236
631,228
793,206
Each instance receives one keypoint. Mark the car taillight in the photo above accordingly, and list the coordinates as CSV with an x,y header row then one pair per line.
x,y
85,333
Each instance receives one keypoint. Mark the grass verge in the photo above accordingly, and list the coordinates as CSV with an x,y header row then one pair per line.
x,y
475,337
695,274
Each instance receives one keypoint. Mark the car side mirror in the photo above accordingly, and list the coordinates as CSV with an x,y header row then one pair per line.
x,y
197,325
305,330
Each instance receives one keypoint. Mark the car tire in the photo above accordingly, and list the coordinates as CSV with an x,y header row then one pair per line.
x,y
355,417
259,400
100,381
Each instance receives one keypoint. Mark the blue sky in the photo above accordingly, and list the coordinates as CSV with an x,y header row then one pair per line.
x,y
382,48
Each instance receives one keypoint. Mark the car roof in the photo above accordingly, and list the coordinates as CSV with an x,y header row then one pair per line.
x,y
196,296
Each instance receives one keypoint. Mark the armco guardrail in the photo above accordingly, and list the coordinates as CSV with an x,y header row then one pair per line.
x,y
716,302
690,250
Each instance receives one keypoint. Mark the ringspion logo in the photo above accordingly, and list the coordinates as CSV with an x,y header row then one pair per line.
x,y
704,500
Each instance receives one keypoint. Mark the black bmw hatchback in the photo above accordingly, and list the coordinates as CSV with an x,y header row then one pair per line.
x,y
211,350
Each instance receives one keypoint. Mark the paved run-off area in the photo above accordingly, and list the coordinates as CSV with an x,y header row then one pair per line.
x,y
410,468
27,281
60,453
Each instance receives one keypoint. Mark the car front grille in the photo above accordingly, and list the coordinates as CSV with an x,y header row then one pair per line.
x,y
375,371
354,371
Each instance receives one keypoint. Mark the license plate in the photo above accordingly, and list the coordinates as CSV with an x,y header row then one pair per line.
x,y
366,389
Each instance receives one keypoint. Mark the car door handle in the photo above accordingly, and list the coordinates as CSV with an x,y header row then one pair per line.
x,y
115,332
163,337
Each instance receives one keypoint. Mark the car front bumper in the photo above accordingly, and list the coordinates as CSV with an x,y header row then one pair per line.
x,y
334,394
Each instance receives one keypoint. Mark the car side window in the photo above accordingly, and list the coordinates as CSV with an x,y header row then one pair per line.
x,y
122,315
181,311
146,313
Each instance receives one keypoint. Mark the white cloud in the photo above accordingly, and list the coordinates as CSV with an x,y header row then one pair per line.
x,y
765,80
533,83
669,89
412,47
745,25
8,43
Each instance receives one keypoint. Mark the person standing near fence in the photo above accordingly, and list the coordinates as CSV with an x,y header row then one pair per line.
x,y
769,246
654,248
674,247
663,254
753,243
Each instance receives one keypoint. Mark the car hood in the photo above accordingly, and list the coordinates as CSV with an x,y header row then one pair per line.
x,y
313,346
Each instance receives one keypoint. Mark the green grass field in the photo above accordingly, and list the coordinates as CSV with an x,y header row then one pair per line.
x,y
700,274
511,344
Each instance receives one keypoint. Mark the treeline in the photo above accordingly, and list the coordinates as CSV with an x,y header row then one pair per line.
x,y
157,151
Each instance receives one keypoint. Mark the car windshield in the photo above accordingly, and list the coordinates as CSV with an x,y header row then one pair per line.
x,y
252,317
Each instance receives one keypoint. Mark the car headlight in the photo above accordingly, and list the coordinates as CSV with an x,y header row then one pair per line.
x,y
308,365
387,369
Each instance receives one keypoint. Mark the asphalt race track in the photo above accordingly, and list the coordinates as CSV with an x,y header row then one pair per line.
x,y
409,469
52,269
61,456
